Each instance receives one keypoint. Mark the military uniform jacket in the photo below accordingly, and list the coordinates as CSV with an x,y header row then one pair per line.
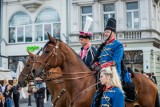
x,y
112,51
91,53
111,98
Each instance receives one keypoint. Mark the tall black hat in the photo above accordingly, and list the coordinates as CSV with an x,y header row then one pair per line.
x,y
111,25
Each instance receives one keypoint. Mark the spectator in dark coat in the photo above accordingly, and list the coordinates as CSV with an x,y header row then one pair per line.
x,y
39,92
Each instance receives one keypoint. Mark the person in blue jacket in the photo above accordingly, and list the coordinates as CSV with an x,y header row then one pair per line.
x,y
111,51
111,95
87,52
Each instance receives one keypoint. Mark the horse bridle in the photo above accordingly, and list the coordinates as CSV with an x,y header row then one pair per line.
x,y
44,75
28,77
52,54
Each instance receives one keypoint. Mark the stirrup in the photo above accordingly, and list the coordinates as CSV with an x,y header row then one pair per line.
x,y
132,100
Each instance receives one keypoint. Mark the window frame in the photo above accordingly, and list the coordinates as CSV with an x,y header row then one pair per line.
x,y
86,14
132,14
43,26
108,13
16,30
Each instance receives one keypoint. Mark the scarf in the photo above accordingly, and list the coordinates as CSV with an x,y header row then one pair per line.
x,y
84,50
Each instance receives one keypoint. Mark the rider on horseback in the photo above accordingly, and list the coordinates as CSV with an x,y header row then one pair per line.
x,y
87,52
111,51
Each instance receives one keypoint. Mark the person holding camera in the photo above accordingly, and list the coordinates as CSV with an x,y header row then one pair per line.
x,y
39,92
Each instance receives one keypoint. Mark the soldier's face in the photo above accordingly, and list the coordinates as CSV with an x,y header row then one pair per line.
x,y
83,41
107,33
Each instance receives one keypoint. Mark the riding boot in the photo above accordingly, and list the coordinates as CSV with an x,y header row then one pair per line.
x,y
130,92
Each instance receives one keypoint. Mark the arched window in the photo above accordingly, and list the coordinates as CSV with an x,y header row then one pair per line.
x,y
20,28
47,20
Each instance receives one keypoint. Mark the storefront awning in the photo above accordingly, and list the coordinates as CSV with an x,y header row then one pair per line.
x,y
5,74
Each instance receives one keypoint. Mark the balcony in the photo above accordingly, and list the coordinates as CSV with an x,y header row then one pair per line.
x,y
121,35
31,5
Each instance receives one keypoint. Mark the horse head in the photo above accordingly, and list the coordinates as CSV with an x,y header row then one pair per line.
x,y
51,57
26,72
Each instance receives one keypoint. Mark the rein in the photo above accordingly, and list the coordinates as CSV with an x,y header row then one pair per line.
x,y
87,89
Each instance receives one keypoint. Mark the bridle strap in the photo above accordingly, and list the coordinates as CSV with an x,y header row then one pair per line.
x,y
87,89
59,96
53,53
24,74
67,79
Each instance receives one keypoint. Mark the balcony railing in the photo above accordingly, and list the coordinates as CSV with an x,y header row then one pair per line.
x,y
31,5
121,35
129,35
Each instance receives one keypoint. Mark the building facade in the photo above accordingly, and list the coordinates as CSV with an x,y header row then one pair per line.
x,y
138,28
25,25
0,29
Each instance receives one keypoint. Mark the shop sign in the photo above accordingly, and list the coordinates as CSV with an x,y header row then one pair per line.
x,y
32,48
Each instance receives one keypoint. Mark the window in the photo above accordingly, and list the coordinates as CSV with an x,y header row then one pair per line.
x,y
48,20
20,28
86,11
13,62
132,15
108,11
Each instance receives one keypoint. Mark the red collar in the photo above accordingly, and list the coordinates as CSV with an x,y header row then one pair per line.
x,y
109,41
104,88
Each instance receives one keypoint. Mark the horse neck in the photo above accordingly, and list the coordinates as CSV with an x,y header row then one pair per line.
x,y
75,86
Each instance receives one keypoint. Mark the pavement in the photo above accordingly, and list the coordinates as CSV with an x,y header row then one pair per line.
x,y
24,103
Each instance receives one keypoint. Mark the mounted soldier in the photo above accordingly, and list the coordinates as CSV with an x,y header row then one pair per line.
x,y
111,53
87,52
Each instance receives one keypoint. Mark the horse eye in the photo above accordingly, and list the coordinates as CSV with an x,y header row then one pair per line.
x,y
46,51
28,65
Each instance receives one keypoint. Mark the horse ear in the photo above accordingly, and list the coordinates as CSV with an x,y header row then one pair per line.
x,y
51,38
30,54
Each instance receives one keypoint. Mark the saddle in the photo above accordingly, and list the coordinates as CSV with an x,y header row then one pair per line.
x,y
127,84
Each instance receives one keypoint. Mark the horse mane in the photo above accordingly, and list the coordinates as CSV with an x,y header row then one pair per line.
x,y
78,57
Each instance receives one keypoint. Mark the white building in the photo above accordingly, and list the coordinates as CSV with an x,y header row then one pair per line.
x,y
138,28
26,22
25,25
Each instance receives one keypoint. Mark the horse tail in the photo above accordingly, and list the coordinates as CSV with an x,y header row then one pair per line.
x,y
157,101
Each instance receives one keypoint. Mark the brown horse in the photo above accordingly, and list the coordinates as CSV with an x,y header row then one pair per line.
x,y
54,87
78,78
146,90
